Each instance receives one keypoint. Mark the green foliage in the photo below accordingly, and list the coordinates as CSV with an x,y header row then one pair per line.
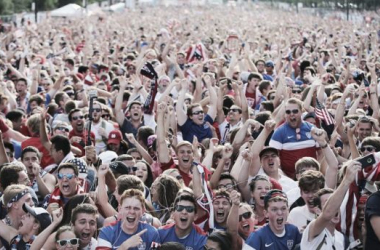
x,y
6,7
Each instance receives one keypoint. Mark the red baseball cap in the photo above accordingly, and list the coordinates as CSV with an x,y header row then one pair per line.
x,y
114,137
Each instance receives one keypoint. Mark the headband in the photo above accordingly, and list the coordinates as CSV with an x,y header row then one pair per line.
x,y
17,197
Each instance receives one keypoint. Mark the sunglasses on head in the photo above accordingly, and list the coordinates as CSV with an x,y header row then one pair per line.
x,y
246,215
294,111
189,209
63,129
368,148
74,118
73,242
198,112
68,176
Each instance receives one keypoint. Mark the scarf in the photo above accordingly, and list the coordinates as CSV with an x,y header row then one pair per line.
x,y
57,197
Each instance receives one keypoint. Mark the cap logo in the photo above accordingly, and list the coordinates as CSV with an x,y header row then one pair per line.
x,y
113,136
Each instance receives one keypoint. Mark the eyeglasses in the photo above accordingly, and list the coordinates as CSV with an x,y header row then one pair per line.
x,y
63,129
296,91
129,88
368,148
189,209
68,176
198,112
235,110
246,215
73,242
227,186
97,110
134,169
298,134
294,111
74,118
106,116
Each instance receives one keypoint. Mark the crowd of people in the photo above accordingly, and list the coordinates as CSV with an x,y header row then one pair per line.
x,y
190,128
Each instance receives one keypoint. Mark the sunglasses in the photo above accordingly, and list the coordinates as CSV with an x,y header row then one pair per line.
x,y
369,149
235,110
294,111
246,215
189,209
198,112
227,186
63,129
68,176
133,169
296,91
106,116
74,118
129,88
179,177
97,110
73,242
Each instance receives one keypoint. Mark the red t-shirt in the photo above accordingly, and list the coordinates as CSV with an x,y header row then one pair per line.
x,y
46,158
3,127
82,144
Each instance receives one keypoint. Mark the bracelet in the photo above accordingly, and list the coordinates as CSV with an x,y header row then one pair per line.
x,y
325,146
140,88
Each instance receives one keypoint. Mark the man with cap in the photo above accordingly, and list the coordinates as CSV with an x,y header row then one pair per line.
x,y
269,68
32,223
268,159
277,234
115,142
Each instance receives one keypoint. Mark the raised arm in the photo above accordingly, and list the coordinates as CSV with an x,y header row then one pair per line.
x,y
181,114
334,202
106,208
131,138
226,154
162,148
213,102
43,133
119,114
233,217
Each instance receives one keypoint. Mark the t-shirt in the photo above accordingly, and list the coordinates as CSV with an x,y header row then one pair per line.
x,y
264,238
194,241
324,239
300,217
82,143
113,236
3,127
291,150
100,145
372,209
190,128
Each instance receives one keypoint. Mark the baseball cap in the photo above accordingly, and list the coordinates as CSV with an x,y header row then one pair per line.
x,y
266,149
114,137
272,194
119,167
269,64
108,156
40,214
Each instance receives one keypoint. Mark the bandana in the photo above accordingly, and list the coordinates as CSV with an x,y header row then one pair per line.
x,y
221,196
17,197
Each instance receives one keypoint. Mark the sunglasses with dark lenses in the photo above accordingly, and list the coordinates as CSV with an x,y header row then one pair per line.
x,y
189,209
369,149
74,118
63,129
235,110
97,110
106,116
294,111
246,215
73,242
68,176
133,169
198,112
179,177
296,91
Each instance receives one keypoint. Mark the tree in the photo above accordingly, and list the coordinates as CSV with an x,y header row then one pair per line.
x,y
6,7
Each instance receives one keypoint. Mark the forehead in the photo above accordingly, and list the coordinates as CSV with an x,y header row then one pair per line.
x,y
77,113
131,201
185,203
136,105
277,204
140,164
225,181
66,171
291,106
269,153
184,147
222,200
86,216
30,154
196,108
364,125
243,209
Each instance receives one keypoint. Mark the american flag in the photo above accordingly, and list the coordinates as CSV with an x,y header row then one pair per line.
x,y
322,113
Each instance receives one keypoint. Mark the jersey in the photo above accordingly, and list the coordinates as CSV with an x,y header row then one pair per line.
x,y
324,241
291,150
264,238
190,128
113,236
194,241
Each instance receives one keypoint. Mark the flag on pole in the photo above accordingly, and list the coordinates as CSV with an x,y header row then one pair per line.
x,y
322,113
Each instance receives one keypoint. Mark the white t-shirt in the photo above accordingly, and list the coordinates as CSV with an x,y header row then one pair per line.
x,y
299,216
100,145
286,183
293,195
325,236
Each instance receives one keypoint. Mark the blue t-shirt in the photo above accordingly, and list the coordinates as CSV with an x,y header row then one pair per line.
x,y
113,236
194,241
264,238
190,128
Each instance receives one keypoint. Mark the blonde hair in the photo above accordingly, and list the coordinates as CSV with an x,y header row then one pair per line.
x,y
33,123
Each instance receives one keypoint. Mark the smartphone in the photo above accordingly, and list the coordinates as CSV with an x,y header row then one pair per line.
x,y
367,161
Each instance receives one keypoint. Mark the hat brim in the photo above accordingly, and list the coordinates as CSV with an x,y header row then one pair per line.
x,y
268,149
113,141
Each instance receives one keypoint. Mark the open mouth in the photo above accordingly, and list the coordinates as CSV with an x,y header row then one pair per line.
x,y
66,188
131,219
185,160
280,221
135,114
140,176
220,214
183,219
85,236
246,227
262,197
